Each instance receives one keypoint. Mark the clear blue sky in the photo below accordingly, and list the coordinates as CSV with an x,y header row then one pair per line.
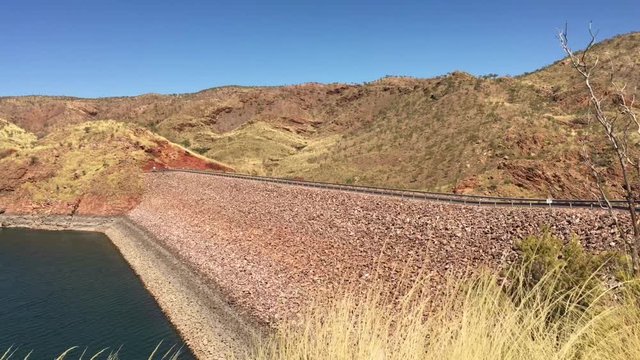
x,y
95,48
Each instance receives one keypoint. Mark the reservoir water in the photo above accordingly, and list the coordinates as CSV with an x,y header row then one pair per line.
x,y
60,289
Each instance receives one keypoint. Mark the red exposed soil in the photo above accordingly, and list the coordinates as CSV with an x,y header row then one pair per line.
x,y
167,156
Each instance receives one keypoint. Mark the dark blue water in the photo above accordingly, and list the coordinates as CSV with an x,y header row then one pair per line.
x,y
64,289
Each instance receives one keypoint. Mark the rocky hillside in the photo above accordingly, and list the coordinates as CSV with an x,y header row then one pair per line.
x,y
91,168
517,136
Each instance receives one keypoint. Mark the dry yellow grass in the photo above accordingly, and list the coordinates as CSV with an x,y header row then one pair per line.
x,y
252,148
476,320
106,354
14,137
98,164
260,149
307,160
100,157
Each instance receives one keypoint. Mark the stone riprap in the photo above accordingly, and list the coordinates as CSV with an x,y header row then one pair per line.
x,y
271,247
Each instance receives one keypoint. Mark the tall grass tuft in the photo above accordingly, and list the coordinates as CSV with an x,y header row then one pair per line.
x,y
485,316
74,353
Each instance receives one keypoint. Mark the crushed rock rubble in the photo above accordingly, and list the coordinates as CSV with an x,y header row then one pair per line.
x,y
272,248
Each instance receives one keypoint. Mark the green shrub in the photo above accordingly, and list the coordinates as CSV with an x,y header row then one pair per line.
x,y
201,150
571,266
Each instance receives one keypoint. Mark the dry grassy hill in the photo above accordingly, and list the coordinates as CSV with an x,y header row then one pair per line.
x,y
91,168
501,136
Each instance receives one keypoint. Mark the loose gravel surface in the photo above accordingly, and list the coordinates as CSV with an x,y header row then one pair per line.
x,y
205,322
271,248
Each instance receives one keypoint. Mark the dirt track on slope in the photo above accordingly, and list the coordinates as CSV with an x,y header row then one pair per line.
x,y
273,247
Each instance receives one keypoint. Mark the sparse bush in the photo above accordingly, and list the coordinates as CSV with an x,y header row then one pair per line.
x,y
201,150
489,76
546,252
572,265
154,127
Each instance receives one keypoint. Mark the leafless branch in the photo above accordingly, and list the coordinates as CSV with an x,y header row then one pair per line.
x,y
617,136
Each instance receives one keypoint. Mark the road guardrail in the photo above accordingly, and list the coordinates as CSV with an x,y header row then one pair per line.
x,y
480,200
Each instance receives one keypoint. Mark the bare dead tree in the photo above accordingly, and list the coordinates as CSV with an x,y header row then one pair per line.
x,y
615,118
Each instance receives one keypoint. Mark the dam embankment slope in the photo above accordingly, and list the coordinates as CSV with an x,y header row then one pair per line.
x,y
271,248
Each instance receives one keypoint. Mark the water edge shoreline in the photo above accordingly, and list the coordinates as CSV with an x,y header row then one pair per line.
x,y
206,322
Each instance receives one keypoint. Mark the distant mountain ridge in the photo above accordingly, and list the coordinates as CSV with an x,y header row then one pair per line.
x,y
515,136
